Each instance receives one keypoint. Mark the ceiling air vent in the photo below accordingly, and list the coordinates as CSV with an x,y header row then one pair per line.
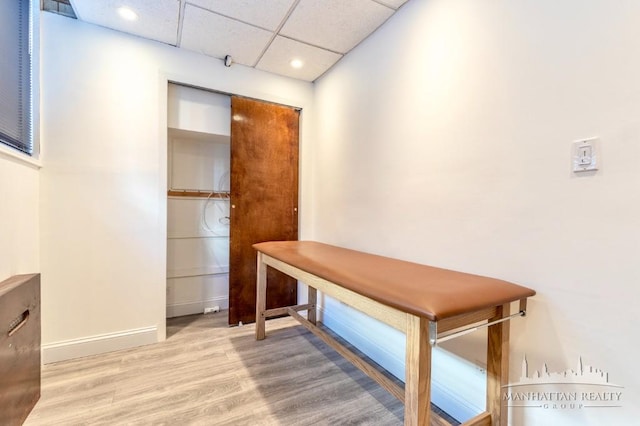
x,y
61,7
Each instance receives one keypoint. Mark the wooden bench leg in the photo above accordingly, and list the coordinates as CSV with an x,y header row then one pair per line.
x,y
498,366
261,297
417,402
312,300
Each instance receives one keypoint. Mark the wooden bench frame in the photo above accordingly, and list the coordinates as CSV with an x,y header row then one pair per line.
x,y
416,394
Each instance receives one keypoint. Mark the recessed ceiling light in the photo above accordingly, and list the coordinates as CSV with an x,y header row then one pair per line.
x,y
296,63
127,13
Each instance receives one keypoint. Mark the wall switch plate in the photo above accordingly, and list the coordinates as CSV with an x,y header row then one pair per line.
x,y
585,155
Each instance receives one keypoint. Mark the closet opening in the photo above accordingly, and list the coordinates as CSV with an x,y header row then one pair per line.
x,y
198,206
232,182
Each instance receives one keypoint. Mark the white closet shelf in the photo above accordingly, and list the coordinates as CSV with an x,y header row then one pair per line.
x,y
195,237
194,193
197,272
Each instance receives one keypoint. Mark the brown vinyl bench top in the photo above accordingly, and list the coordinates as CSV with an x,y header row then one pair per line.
x,y
425,291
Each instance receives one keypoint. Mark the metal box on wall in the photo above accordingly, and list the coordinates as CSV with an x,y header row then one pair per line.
x,y
19,347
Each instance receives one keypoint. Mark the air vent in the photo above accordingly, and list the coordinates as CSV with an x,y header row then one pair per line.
x,y
61,7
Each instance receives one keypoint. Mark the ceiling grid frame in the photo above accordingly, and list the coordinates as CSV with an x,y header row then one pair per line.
x,y
277,31
317,32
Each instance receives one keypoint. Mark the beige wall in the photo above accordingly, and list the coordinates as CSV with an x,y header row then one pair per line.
x,y
19,228
104,178
455,151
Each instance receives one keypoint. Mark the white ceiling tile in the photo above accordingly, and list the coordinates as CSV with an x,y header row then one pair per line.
x,y
250,11
392,3
214,35
157,19
278,56
317,31
336,25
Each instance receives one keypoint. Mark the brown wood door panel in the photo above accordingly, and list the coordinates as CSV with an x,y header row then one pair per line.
x,y
264,200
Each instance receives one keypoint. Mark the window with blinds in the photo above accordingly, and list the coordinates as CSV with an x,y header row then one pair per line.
x,y
15,75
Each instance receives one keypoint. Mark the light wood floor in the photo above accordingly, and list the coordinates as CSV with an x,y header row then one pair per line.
x,y
206,373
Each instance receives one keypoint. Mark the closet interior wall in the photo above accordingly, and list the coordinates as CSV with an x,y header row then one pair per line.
x,y
198,201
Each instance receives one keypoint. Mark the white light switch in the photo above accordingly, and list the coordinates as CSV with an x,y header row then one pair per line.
x,y
585,155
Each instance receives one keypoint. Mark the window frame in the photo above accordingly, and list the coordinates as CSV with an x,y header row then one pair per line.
x,y
7,150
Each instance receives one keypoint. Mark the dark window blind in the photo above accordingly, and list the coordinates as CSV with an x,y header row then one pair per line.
x,y
15,75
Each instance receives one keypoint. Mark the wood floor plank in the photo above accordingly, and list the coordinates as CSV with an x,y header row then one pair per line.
x,y
207,373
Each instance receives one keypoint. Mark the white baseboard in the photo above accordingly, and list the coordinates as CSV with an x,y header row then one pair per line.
x,y
347,324
93,345
198,307
456,386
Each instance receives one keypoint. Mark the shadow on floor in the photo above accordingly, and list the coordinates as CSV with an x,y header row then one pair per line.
x,y
303,381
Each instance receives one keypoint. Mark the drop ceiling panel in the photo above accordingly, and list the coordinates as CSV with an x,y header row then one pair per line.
x,y
157,19
264,34
393,3
280,53
214,35
250,11
336,25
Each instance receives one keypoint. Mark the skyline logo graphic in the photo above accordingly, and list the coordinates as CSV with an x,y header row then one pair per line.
x,y
584,387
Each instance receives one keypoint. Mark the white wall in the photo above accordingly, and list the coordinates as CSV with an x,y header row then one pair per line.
x,y
104,178
19,230
198,110
445,138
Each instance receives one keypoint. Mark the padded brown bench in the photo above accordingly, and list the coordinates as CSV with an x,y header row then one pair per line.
x,y
427,304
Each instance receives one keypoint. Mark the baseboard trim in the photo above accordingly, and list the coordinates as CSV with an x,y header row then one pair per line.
x,y
98,344
345,324
350,325
198,307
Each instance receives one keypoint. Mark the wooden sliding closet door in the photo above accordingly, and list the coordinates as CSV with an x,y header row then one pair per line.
x,y
264,199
